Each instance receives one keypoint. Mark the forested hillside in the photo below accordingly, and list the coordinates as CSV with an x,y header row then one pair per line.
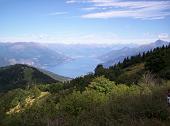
x,y
156,61
18,76
130,93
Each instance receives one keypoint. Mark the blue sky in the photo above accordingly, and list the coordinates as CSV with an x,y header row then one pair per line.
x,y
84,21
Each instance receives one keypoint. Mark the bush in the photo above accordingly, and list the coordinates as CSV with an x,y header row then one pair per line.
x,y
101,85
77,102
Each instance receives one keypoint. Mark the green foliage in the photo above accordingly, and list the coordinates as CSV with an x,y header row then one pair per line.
x,y
34,91
155,63
159,62
39,113
102,85
35,113
96,105
126,105
75,103
52,88
13,97
99,70
28,75
55,88
80,83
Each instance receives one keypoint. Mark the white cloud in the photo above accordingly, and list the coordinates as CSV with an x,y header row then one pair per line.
x,y
58,13
140,9
163,36
89,8
138,14
71,1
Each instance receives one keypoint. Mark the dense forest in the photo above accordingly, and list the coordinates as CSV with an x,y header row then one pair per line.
x,y
129,93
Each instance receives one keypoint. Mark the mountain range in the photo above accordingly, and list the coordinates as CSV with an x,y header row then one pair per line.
x,y
70,60
115,56
29,53
86,50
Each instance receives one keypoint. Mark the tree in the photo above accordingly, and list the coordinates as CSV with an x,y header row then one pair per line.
x,y
101,84
155,63
100,70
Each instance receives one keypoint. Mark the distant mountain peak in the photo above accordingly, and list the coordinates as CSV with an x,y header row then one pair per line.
x,y
160,42
126,48
116,56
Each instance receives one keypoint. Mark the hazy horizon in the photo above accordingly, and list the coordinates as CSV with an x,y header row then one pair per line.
x,y
97,44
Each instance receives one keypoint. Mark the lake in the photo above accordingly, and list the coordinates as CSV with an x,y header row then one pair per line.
x,y
77,67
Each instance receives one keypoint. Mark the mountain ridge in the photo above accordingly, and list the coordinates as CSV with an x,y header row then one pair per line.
x,y
34,54
116,56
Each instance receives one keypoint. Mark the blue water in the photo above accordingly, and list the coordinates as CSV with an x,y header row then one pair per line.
x,y
77,67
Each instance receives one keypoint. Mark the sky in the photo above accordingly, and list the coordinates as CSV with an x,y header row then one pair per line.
x,y
84,21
